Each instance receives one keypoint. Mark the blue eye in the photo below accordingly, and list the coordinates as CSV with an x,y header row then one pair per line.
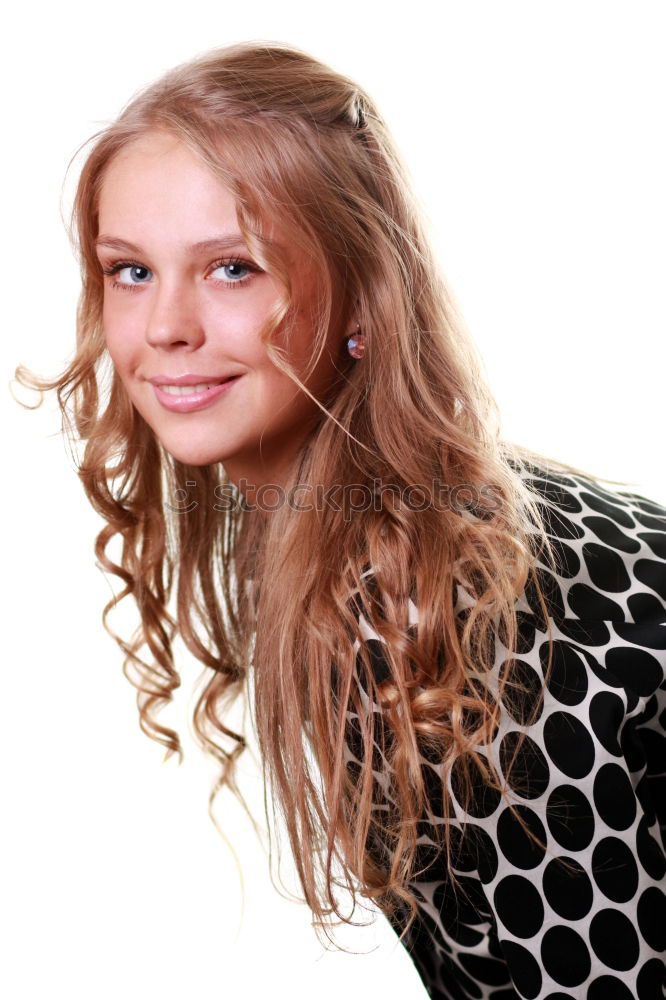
x,y
138,274
234,271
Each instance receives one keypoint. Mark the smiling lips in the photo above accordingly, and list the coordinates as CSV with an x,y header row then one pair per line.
x,y
186,393
186,390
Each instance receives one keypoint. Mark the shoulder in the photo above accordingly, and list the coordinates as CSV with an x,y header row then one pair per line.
x,y
606,568
609,546
606,599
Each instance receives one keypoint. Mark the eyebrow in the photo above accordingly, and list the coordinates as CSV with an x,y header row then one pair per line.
x,y
225,241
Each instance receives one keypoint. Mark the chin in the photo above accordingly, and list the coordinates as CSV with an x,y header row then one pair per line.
x,y
195,459
188,453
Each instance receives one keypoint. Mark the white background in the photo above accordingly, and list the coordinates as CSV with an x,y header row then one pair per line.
x,y
534,134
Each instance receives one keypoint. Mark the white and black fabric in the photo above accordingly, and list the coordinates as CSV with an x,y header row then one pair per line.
x,y
591,779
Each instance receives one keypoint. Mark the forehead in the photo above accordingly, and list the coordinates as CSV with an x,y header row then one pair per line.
x,y
158,175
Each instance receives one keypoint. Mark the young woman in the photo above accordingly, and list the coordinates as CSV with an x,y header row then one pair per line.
x,y
454,650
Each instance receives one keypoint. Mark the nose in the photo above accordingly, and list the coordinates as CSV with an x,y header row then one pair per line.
x,y
173,320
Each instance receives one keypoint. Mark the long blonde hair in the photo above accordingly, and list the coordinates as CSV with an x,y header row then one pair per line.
x,y
287,596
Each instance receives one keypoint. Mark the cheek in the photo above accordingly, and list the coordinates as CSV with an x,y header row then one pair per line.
x,y
115,348
283,403
233,321
119,336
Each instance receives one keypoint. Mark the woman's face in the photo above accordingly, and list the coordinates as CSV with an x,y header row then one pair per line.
x,y
184,304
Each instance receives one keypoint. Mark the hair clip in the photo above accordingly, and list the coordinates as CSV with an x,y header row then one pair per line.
x,y
361,114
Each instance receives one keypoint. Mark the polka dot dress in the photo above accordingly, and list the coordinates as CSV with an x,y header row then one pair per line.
x,y
584,915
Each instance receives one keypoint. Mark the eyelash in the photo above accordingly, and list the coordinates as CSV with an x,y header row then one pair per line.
x,y
119,265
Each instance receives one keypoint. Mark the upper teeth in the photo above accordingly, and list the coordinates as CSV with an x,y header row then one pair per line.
x,y
187,390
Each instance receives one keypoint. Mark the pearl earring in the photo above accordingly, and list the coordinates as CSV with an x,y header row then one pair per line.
x,y
356,344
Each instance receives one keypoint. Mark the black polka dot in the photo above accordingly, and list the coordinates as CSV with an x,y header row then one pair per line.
x,y
650,709
519,906
425,930
658,785
609,533
525,633
487,970
606,568
652,918
466,904
603,673
426,855
567,676
615,870
515,842
650,981
462,933
614,940
570,818
617,499
652,574
567,563
379,665
565,956
646,606
521,692
637,669
526,626
602,506
655,750
648,521
650,854
656,541
446,971
652,635
551,593
632,700
632,745
592,633
614,797
524,765
554,492
649,506
434,788
477,852
446,974
509,994
608,988
559,525
568,889
484,800
586,602
569,744
606,718
457,852
494,946
644,790
466,986
524,969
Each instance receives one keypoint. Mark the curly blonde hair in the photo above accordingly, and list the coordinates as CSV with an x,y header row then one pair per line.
x,y
282,598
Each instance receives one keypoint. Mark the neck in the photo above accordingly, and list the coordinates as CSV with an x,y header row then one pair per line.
x,y
262,487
